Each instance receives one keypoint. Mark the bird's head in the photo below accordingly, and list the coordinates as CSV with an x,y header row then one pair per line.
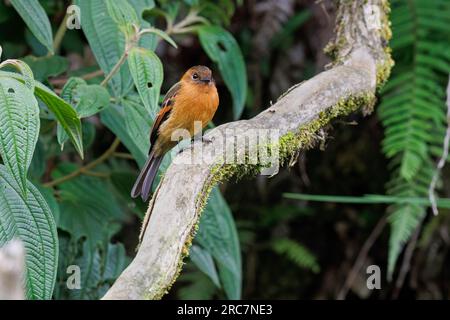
x,y
199,75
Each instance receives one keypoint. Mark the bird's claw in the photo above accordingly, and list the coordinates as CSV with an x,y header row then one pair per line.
x,y
182,149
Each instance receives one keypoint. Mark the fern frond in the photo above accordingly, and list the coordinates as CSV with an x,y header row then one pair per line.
x,y
296,253
413,109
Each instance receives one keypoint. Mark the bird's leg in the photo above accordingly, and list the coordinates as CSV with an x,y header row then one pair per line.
x,y
187,146
184,148
195,138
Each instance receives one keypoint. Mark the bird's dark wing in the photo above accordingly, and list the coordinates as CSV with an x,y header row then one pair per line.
x,y
171,94
166,108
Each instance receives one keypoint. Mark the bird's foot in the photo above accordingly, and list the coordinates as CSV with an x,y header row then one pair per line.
x,y
182,149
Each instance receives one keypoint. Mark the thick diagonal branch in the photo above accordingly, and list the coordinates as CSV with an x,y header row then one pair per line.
x,y
361,62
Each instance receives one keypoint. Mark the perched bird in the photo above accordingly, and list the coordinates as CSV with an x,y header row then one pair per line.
x,y
193,98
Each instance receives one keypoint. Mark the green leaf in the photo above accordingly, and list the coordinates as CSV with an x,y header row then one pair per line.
x,y
30,220
88,207
223,49
217,234
123,181
142,6
204,261
36,20
64,113
138,122
114,119
297,253
19,128
90,268
413,112
38,162
147,72
124,16
49,66
196,285
23,68
106,41
88,100
147,41
115,261
404,220
99,267
161,34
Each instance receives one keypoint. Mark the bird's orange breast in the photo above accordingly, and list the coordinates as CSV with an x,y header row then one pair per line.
x,y
194,103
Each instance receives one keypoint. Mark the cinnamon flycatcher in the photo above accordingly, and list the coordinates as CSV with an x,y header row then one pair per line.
x,y
193,98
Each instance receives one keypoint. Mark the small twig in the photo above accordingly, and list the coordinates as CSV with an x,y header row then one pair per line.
x,y
96,174
406,263
362,257
85,169
117,66
185,25
442,160
123,155
92,75
88,76
130,44
59,36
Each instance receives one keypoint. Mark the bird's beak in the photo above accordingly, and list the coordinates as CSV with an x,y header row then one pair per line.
x,y
206,80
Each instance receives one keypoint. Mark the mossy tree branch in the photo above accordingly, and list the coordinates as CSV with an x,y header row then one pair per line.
x,y
361,62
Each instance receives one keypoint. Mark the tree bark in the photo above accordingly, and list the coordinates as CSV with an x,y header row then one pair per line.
x,y
12,270
361,63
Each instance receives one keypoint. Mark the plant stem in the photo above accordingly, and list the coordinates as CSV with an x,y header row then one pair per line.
x,y
185,25
105,156
116,68
123,155
90,75
60,35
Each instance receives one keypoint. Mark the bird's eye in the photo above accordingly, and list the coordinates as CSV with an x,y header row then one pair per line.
x,y
195,76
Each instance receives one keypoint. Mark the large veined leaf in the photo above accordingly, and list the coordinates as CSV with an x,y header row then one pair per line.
x,y
49,66
99,267
19,128
123,15
106,42
142,5
148,40
88,207
36,19
64,113
86,99
115,261
114,119
138,122
204,261
90,269
24,69
30,220
66,257
147,72
223,49
217,234
38,162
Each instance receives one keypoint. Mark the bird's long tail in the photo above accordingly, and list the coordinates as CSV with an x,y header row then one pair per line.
x,y
144,182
